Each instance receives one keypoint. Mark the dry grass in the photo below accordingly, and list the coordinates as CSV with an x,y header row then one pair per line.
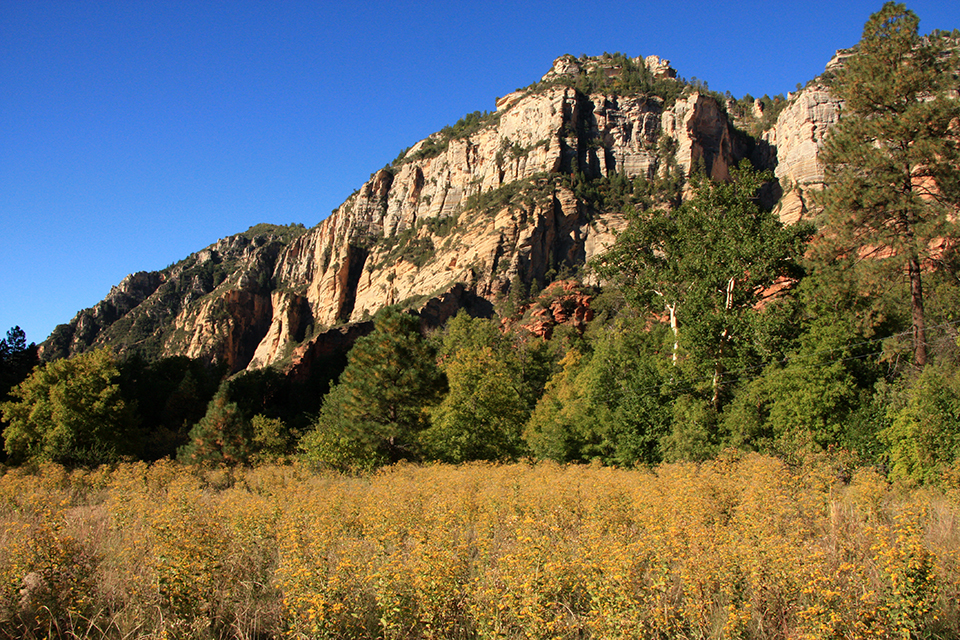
x,y
743,546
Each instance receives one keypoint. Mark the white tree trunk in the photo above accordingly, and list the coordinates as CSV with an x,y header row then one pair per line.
x,y
672,309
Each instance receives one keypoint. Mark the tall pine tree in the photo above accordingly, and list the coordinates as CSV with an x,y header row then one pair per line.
x,y
376,411
891,178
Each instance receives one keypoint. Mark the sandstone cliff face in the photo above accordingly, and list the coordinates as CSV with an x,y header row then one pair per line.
x,y
452,222
125,296
704,135
212,305
797,138
347,267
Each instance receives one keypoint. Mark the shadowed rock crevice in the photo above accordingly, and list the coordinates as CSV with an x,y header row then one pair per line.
x,y
351,270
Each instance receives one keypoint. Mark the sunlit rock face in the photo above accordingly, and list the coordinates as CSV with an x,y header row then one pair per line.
x,y
796,139
453,221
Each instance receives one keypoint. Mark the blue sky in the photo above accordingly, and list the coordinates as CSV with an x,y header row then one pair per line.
x,y
135,132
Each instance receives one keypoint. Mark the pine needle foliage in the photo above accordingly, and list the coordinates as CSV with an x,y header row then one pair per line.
x,y
890,163
380,404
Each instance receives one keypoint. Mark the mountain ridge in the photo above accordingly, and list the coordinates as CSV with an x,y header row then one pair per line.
x,y
517,196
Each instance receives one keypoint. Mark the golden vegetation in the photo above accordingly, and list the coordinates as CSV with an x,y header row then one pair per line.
x,y
744,546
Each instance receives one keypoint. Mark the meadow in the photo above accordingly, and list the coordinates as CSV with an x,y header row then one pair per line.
x,y
743,546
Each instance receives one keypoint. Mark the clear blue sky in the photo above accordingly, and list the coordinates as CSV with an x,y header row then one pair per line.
x,y
135,132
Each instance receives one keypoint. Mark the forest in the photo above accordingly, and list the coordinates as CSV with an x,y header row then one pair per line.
x,y
756,435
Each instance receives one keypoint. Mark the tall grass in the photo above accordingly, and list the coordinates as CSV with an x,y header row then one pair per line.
x,y
743,546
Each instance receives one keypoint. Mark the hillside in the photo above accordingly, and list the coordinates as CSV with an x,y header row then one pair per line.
x,y
532,190
624,358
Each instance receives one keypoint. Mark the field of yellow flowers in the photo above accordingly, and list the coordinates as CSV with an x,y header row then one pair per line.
x,y
745,546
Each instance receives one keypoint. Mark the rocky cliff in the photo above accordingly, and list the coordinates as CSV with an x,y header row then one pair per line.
x,y
227,284
460,217
796,140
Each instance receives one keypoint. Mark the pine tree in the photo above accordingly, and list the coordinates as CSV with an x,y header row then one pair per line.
x,y
223,435
891,178
381,402
17,360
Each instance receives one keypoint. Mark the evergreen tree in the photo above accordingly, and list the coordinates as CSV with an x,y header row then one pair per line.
x,y
222,435
891,162
337,441
171,395
380,404
17,360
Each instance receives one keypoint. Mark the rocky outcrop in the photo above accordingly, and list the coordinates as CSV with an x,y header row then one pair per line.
x,y
563,303
451,223
796,140
324,347
212,304
704,136
225,329
349,266
435,312
568,66
89,324
288,325
799,134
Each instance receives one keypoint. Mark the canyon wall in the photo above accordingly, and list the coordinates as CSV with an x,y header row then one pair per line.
x,y
459,214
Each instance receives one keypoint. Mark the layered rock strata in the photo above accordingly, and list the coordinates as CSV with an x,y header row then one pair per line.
x,y
457,218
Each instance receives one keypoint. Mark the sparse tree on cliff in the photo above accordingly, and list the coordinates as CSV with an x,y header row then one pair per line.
x,y
891,176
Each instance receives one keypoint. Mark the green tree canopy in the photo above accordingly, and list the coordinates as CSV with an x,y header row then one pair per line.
x,y
482,415
70,411
609,404
494,381
558,428
802,403
706,266
924,433
891,161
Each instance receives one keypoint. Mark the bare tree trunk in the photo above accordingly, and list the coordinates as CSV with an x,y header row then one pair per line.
x,y
916,309
718,372
672,308
718,365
